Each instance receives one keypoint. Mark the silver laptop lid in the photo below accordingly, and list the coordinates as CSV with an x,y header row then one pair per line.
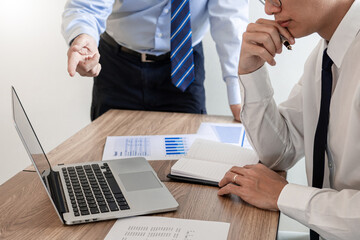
x,y
32,145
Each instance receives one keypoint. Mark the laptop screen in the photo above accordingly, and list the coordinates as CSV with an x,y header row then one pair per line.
x,y
29,137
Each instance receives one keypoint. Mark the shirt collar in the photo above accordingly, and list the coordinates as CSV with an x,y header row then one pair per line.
x,y
345,34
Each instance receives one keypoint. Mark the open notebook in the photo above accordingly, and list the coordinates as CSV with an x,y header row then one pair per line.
x,y
208,161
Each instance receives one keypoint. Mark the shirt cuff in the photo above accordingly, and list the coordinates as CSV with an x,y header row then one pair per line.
x,y
294,201
255,86
233,90
79,31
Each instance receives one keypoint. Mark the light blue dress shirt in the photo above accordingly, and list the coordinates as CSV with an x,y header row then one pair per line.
x,y
144,26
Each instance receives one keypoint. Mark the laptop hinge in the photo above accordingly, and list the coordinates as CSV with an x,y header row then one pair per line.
x,y
56,192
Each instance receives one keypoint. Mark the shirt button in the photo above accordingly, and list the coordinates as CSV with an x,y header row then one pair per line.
x,y
160,35
330,165
166,10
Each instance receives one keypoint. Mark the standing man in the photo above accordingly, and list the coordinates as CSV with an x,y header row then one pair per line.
x,y
320,120
151,51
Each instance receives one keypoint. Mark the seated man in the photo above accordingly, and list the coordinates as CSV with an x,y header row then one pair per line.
x,y
320,120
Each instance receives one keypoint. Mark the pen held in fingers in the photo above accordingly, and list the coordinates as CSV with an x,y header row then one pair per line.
x,y
285,42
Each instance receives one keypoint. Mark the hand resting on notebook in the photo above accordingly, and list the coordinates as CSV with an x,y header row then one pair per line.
x,y
255,184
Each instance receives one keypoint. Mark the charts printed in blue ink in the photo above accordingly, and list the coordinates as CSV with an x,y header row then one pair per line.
x,y
176,145
152,147
137,146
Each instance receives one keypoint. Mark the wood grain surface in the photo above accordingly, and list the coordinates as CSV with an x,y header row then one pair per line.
x,y
26,211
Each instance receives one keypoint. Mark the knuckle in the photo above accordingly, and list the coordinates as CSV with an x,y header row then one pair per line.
x,y
260,166
83,67
73,48
251,173
273,30
262,51
260,20
98,71
228,175
233,168
250,181
250,26
266,37
245,35
229,187
269,42
93,72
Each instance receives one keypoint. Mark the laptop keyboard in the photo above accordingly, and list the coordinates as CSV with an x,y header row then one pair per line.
x,y
93,190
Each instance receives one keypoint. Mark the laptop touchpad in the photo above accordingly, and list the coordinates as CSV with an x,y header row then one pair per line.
x,y
139,181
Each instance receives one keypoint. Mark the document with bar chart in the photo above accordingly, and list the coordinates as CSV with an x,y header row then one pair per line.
x,y
152,147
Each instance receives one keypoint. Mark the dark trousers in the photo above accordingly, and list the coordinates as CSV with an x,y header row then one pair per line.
x,y
127,83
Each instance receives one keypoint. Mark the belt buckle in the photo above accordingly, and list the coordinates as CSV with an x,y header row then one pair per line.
x,y
143,58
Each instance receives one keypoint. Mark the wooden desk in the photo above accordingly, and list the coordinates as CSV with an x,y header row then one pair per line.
x,y
26,212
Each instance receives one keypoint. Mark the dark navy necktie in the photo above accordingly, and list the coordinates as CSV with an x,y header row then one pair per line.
x,y
320,140
182,60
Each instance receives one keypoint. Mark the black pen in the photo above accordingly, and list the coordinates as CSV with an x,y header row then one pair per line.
x,y
285,42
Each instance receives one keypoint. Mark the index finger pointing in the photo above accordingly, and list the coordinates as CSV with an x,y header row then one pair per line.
x,y
73,61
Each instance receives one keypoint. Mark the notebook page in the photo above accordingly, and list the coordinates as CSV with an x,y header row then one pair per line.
x,y
200,169
212,151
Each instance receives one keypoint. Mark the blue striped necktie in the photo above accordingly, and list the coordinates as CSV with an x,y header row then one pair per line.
x,y
182,60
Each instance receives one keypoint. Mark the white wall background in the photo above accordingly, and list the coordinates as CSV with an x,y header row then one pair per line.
x,y
33,59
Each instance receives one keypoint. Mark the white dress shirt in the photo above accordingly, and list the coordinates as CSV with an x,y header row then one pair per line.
x,y
144,26
281,135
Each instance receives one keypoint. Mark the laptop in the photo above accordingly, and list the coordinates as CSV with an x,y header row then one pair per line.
x,y
94,191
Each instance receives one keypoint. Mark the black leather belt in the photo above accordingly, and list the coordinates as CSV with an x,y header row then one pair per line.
x,y
143,57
